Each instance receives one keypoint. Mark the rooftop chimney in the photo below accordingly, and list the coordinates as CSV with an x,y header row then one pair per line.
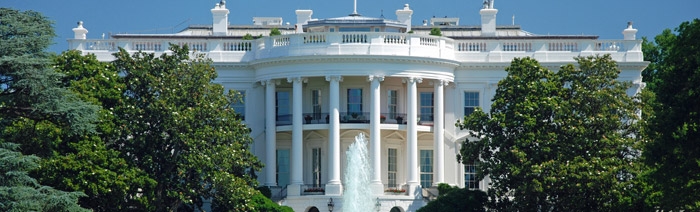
x,y
220,15
303,17
80,32
630,33
404,16
488,19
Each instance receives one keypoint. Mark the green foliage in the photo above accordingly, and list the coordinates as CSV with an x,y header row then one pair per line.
x,y
456,199
248,36
20,192
28,88
265,191
444,188
560,141
263,204
410,32
673,124
435,31
275,31
178,126
84,162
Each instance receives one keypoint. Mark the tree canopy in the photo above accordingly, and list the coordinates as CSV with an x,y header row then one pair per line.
x,y
20,192
28,87
32,97
673,121
179,127
456,199
562,141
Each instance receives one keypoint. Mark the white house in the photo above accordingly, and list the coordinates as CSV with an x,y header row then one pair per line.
x,y
311,90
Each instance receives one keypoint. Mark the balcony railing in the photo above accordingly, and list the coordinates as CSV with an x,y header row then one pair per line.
x,y
369,43
310,189
395,190
425,119
337,43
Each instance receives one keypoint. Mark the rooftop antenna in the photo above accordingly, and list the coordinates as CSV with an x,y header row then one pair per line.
x,y
354,11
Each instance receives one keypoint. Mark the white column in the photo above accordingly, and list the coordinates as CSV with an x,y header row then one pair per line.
x,y
296,179
413,179
375,135
334,186
270,133
439,132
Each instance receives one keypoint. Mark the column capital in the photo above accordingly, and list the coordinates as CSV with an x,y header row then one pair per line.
x,y
334,78
297,79
371,78
442,82
269,82
412,80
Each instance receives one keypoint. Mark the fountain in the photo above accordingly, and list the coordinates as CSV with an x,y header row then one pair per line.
x,y
358,195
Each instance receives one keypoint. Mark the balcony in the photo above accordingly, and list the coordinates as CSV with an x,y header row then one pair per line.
x,y
355,118
309,189
369,43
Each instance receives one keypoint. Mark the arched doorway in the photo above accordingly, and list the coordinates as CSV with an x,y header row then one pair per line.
x,y
395,209
313,209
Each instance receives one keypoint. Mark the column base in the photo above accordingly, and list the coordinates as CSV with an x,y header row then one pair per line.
x,y
377,189
334,189
294,190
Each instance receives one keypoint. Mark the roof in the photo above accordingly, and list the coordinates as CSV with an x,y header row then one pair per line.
x,y
355,21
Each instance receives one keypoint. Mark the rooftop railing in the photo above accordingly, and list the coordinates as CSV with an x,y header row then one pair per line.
x,y
369,43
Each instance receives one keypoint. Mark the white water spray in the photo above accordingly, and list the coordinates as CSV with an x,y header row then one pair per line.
x,y
358,195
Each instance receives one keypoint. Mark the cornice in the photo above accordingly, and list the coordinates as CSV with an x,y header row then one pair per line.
x,y
637,65
235,65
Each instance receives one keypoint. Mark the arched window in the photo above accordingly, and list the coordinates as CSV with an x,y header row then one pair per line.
x,y
313,209
395,209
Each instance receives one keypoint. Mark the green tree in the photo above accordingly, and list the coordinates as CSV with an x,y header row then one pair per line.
x,y
435,31
673,127
275,31
20,192
28,87
178,126
248,36
560,141
87,163
31,97
456,199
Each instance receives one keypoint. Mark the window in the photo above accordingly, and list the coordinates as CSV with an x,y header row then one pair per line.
x,y
470,176
282,103
353,29
355,101
282,167
391,164
316,102
316,166
426,106
471,101
239,105
426,168
392,103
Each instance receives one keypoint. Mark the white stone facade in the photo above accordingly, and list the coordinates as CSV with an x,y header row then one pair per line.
x,y
308,94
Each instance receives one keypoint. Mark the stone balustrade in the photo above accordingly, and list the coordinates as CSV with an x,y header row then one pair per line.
x,y
369,43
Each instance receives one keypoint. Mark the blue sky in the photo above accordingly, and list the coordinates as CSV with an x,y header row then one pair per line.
x,y
605,18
